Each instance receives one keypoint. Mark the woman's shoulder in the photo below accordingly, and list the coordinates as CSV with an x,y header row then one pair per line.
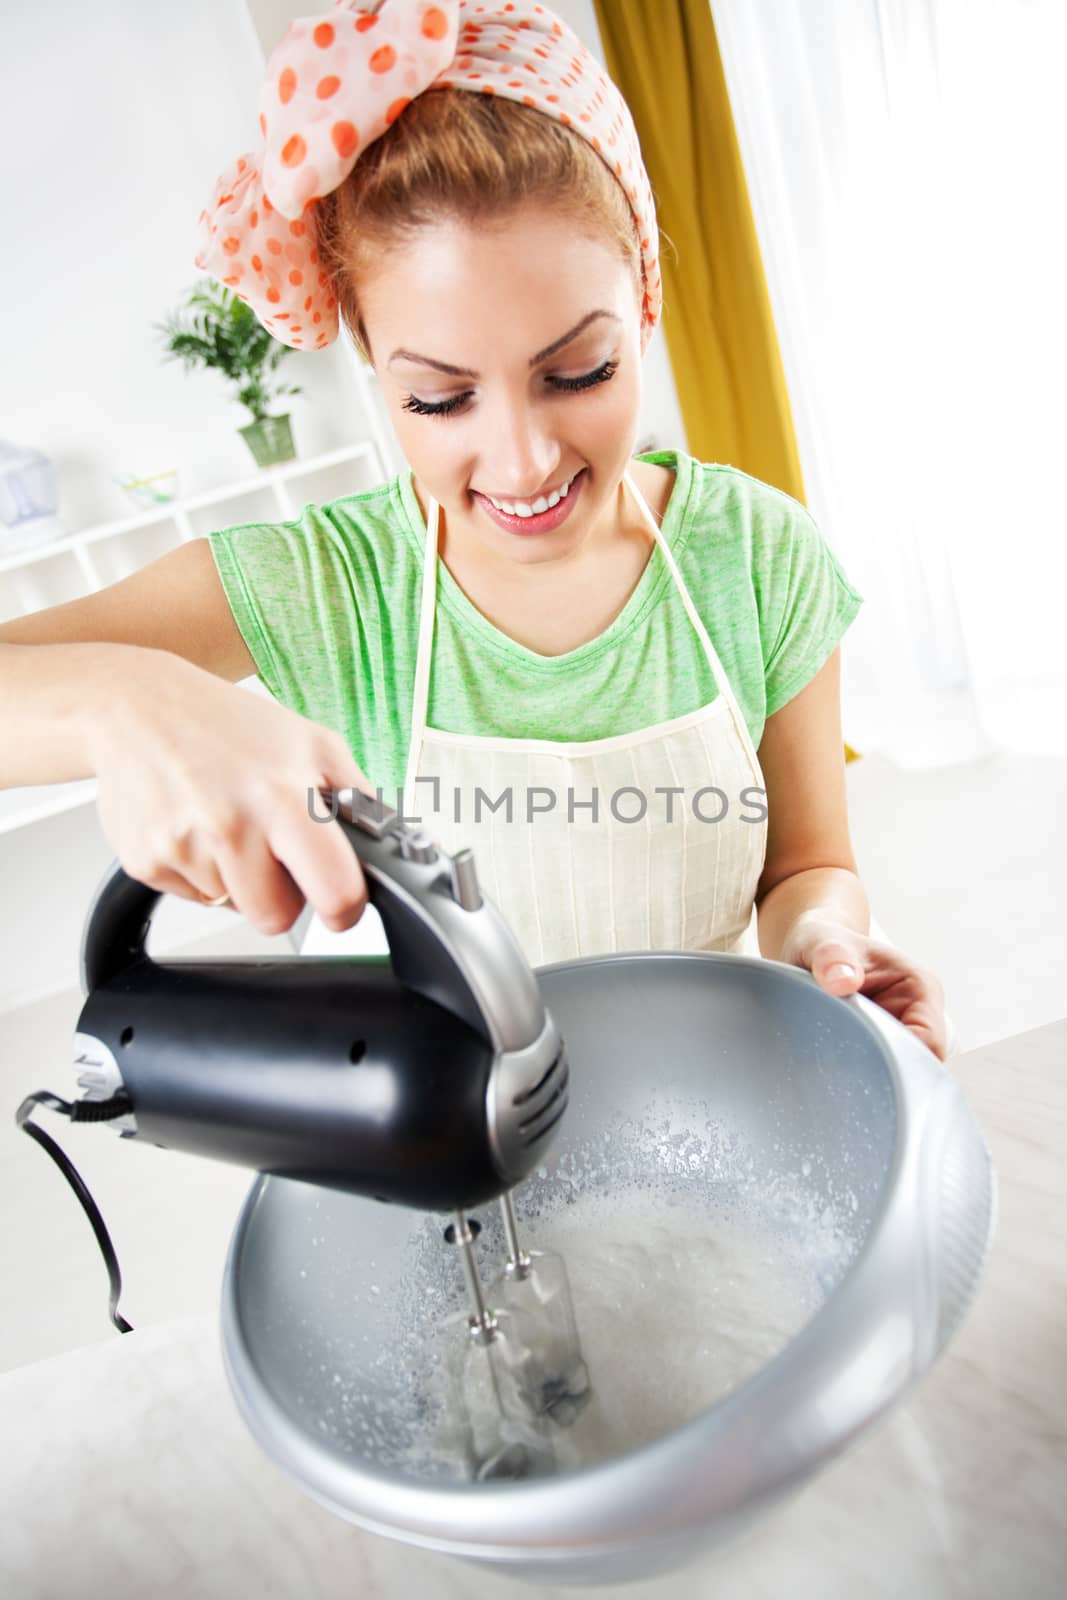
x,y
725,519
734,532
370,512
721,486
711,495
351,518
656,481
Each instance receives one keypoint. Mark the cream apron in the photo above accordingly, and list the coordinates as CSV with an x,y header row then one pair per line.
x,y
645,870
579,887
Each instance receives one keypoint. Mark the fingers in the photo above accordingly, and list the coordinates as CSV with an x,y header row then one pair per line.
x,y
920,1015
840,976
302,853
194,871
324,865
843,966
269,873
910,993
934,1039
167,881
269,847
925,1013
183,867
206,795
837,966
259,885
268,876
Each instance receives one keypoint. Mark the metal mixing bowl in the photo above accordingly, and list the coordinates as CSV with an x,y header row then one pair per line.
x,y
786,1081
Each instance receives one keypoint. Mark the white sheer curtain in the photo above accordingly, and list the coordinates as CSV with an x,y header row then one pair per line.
x,y
905,162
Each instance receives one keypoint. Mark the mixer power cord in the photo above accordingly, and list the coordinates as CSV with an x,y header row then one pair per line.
x,y
82,1111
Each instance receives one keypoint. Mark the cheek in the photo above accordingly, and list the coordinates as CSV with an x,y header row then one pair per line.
x,y
613,420
436,449
424,440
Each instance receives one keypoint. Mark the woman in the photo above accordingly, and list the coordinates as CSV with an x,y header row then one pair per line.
x,y
561,655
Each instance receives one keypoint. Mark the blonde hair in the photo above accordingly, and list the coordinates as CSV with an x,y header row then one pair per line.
x,y
475,158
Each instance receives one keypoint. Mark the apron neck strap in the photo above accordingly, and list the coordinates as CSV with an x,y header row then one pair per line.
x,y
421,692
420,698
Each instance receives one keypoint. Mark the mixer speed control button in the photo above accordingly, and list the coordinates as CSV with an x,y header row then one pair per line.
x,y
465,889
417,846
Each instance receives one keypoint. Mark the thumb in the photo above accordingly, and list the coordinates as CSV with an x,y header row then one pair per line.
x,y
837,966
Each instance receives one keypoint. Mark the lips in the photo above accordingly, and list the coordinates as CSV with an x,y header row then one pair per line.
x,y
533,505
540,522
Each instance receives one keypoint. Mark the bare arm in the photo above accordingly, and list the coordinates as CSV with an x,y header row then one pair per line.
x,y
809,863
60,666
176,603
812,907
202,788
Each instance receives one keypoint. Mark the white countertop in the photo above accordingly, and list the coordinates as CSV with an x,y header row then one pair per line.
x,y
126,1472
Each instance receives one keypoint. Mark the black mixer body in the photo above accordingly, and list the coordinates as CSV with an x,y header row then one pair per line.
x,y
434,1079
340,1077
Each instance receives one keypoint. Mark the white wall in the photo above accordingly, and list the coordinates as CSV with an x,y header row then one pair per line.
x,y
102,181
101,184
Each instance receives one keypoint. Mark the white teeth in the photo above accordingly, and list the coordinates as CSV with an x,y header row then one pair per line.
x,y
521,508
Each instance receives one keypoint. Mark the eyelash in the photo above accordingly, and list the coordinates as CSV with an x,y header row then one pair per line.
x,y
588,380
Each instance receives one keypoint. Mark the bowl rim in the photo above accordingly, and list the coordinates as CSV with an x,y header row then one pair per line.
x,y
622,1502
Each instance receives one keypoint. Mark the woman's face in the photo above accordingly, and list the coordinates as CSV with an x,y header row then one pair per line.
x,y
542,330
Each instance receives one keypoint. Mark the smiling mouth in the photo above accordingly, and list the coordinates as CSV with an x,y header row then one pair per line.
x,y
536,507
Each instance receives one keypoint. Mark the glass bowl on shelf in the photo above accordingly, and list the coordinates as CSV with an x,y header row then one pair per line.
x,y
29,497
146,493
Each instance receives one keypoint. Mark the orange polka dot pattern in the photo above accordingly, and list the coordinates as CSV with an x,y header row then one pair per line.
x,y
338,81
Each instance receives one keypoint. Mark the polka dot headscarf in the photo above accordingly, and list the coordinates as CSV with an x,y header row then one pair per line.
x,y
336,83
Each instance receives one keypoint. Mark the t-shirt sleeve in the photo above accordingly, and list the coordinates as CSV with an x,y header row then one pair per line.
x,y
316,609
242,556
806,603
291,591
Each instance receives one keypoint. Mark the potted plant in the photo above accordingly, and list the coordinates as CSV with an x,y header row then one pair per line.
x,y
213,328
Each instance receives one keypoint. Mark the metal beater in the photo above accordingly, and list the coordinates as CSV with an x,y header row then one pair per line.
x,y
523,1374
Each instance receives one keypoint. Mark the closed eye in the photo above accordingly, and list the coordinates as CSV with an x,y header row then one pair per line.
x,y
445,408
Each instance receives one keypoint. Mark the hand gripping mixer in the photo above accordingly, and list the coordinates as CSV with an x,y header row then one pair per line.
x,y
435,1082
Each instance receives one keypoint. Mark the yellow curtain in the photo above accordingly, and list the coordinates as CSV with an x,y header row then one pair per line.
x,y
717,321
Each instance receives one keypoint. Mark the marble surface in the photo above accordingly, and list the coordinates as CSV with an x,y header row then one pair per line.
x,y
125,1471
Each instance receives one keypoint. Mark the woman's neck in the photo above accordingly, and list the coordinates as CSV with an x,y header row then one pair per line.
x,y
553,607
619,528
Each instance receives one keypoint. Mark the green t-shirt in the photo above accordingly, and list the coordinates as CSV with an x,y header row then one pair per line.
x,y
328,605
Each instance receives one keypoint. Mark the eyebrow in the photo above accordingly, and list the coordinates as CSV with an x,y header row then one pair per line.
x,y
542,355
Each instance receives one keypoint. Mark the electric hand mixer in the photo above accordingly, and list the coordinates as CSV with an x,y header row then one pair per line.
x,y
436,1082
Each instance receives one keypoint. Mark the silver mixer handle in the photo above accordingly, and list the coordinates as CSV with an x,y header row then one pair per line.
x,y
368,812
451,944
380,821
446,940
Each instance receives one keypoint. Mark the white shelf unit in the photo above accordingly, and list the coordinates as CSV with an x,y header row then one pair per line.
x,y
62,569
20,807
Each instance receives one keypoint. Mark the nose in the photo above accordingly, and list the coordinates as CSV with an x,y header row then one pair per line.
x,y
521,453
